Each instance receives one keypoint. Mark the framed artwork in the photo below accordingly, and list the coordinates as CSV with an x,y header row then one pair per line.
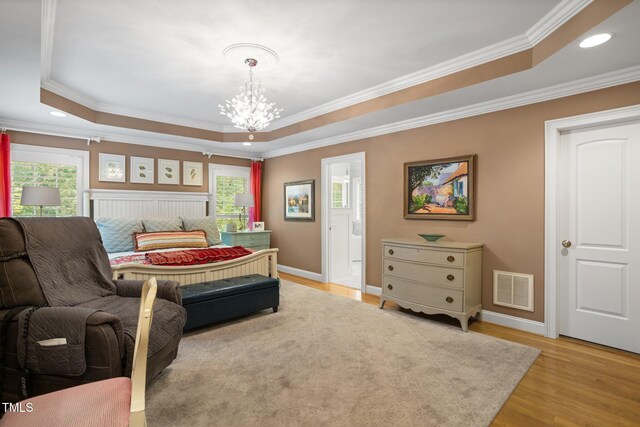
x,y
192,173
112,167
168,172
299,202
440,189
258,226
142,170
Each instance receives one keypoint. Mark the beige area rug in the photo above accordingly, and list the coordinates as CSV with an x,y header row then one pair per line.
x,y
323,359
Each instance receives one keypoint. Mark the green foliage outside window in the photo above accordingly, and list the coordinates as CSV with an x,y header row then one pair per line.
x,y
226,189
65,177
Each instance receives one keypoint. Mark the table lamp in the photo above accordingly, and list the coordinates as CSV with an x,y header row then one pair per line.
x,y
244,200
40,196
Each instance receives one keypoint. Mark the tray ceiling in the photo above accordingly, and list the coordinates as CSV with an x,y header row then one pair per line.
x,y
163,60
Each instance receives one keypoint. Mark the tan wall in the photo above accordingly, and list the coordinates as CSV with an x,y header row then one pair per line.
x,y
129,150
510,188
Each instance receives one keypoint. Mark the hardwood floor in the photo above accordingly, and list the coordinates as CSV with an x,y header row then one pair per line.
x,y
572,383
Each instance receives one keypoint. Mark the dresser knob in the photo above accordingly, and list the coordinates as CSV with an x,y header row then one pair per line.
x,y
449,300
391,252
389,286
390,268
450,277
451,258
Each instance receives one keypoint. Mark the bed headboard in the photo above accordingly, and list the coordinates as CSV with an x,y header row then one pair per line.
x,y
145,204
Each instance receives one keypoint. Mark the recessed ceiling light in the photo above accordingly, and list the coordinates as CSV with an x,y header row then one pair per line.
x,y
58,114
596,40
248,144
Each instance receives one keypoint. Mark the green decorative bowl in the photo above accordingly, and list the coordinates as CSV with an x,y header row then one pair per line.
x,y
431,237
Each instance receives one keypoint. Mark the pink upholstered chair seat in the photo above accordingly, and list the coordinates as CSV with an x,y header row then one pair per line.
x,y
99,404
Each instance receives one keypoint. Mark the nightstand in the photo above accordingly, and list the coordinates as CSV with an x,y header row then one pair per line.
x,y
255,240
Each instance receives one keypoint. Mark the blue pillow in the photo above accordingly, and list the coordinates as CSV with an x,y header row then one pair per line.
x,y
207,224
117,233
162,224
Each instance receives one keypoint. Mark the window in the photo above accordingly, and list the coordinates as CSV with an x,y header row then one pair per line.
x,y
50,167
340,194
226,182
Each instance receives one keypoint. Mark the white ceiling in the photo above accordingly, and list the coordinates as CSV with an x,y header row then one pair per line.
x,y
164,59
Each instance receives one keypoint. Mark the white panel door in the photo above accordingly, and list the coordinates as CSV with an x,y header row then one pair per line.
x,y
599,224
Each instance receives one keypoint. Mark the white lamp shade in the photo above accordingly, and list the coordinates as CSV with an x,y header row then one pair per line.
x,y
245,200
40,196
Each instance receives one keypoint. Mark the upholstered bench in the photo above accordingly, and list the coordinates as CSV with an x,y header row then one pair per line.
x,y
211,302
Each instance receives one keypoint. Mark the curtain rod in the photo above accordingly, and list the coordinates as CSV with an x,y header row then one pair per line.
x,y
40,132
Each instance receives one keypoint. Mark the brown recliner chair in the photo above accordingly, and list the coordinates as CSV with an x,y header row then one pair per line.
x,y
85,329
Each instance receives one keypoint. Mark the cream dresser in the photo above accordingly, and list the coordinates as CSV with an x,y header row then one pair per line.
x,y
433,277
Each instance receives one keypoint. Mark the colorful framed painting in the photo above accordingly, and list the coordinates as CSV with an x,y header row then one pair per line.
x,y
142,170
299,202
192,173
112,168
168,172
440,189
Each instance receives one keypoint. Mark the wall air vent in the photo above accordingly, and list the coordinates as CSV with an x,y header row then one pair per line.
x,y
513,290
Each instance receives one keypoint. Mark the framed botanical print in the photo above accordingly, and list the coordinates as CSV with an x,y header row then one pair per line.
x,y
440,189
112,167
299,202
192,173
142,170
168,172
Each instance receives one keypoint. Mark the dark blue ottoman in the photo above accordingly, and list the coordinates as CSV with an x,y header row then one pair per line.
x,y
211,302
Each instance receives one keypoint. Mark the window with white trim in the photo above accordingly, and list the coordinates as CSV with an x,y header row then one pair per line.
x,y
48,167
226,182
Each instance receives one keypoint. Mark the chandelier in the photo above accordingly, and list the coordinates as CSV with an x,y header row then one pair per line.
x,y
249,110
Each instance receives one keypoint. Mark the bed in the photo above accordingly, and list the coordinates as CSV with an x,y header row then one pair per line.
x,y
127,265
162,204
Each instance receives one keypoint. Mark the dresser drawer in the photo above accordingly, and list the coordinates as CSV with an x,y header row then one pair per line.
x,y
428,255
423,294
451,277
251,240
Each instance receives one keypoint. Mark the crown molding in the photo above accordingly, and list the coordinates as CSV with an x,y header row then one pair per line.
x,y
48,17
176,143
75,96
553,20
626,75
559,15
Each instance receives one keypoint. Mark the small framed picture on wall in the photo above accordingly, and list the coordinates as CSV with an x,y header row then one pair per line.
x,y
142,170
168,172
112,167
299,202
192,173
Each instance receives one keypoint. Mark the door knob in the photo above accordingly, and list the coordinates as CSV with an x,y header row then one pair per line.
x,y
566,243
390,286
390,268
450,277
391,252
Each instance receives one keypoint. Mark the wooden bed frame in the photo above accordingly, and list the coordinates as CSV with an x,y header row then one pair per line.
x,y
165,204
263,262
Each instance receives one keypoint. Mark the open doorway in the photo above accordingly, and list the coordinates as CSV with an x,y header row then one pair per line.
x,y
343,220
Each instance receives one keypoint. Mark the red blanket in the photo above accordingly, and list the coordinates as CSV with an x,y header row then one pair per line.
x,y
196,256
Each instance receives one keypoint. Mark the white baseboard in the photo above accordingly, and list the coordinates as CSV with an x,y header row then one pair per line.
x,y
302,273
373,290
513,322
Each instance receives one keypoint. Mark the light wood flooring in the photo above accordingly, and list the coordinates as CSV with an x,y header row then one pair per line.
x,y
572,383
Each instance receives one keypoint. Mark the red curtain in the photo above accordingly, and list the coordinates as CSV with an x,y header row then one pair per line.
x,y
5,175
255,187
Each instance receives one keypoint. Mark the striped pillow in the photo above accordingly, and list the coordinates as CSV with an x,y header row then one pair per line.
x,y
170,239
